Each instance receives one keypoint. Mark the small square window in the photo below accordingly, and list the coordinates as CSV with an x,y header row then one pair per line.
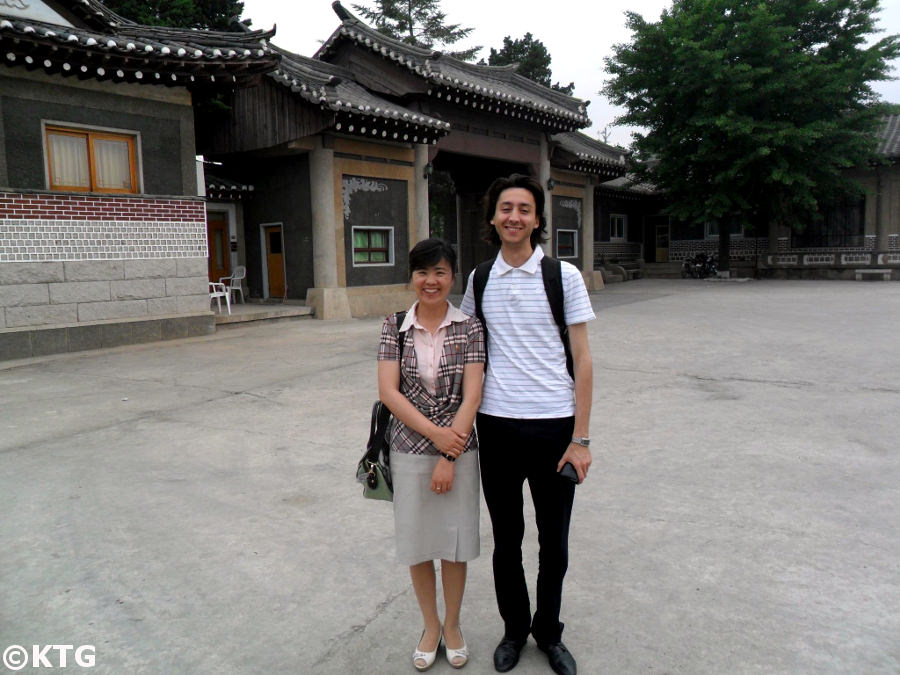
x,y
372,245
567,243
91,161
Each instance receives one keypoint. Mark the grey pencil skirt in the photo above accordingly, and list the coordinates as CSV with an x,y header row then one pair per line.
x,y
431,526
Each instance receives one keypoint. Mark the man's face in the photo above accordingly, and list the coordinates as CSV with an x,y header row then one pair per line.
x,y
514,216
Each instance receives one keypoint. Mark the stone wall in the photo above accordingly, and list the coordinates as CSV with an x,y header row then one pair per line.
x,y
134,269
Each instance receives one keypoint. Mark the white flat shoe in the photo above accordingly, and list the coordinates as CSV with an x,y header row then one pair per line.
x,y
427,658
457,658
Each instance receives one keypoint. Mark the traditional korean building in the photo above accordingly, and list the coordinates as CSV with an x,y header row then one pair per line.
x,y
858,239
372,145
102,233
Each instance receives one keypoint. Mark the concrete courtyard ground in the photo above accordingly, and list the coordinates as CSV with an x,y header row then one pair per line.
x,y
189,506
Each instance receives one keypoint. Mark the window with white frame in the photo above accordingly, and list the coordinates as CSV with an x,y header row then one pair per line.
x,y
87,160
567,243
618,227
373,246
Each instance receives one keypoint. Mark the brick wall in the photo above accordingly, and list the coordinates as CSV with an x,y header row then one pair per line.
x,y
39,227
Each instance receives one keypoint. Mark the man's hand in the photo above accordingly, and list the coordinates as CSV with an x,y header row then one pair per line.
x,y
580,456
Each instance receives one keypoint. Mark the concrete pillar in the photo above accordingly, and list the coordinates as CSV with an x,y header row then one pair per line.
x,y
420,213
543,177
882,231
587,209
593,280
328,297
773,236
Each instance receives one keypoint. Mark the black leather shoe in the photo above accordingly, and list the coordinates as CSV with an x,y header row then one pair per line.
x,y
506,655
561,660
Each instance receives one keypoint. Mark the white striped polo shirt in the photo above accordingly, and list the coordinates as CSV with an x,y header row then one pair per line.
x,y
526,376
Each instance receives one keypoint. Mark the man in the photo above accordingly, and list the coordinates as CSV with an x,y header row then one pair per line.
x,y
533,417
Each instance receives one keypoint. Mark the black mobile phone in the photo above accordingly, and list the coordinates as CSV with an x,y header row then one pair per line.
x,y
568,471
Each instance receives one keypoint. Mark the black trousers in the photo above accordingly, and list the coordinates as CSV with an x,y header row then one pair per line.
x,y
513,451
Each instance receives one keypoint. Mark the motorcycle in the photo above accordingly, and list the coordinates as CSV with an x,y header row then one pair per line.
x,y
700,266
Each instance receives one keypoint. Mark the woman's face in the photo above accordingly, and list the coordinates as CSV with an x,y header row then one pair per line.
x,y
432,284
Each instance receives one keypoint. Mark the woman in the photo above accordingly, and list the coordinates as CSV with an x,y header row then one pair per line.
x,y
434,390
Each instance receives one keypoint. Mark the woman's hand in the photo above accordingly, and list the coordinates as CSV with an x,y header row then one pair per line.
x,y
448,441
442,477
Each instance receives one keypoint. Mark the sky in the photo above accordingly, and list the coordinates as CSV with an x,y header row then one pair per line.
x,y
579,34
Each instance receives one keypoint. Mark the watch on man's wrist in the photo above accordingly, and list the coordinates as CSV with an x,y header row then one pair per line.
x,y
582,440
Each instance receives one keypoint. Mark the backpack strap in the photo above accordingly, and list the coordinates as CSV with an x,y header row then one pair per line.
x,y
479,281
551,272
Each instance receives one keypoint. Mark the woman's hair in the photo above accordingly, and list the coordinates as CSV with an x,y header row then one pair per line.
x,y
429,252
516,180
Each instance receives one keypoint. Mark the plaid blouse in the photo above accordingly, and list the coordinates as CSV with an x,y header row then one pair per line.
x,y
463,343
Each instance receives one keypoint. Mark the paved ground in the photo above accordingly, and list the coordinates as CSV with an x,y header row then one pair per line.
x,y
188,507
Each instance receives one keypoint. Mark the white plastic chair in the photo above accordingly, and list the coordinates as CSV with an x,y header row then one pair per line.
x,y
217,291
233,282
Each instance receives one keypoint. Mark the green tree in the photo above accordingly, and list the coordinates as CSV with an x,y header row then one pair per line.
x,y
752,110
417,22
533,59
208,14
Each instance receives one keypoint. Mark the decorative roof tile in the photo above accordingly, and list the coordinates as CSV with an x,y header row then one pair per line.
x,y
493,89
112,47
580,152
358,111
227,189
889,137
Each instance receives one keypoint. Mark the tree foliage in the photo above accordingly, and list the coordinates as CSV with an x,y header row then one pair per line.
x,y
752,109
533,59
208,14
417,22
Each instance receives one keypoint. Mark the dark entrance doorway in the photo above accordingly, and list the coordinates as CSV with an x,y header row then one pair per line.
x,y
455,200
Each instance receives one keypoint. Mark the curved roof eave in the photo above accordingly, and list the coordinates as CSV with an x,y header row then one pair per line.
x,y
357,111
500,88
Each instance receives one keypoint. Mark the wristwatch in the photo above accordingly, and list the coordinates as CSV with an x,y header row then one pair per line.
x,y
578,440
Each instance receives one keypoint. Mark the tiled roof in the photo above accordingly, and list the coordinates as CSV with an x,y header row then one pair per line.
x,y
492,89
358,111
114,48
580,152
889,137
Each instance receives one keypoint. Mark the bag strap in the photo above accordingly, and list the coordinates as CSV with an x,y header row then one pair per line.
x,y
479,281
551,273
381,414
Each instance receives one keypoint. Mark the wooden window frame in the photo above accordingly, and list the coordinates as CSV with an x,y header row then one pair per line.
x,y
574,234
389,251
92,135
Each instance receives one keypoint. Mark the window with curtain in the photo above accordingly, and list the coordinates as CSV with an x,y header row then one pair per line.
x,y
371,246
91,161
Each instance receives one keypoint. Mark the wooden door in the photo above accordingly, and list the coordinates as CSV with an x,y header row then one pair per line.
x,y
217,239
275,260
662,242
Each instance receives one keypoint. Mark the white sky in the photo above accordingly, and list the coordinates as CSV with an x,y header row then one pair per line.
x,y
577,33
